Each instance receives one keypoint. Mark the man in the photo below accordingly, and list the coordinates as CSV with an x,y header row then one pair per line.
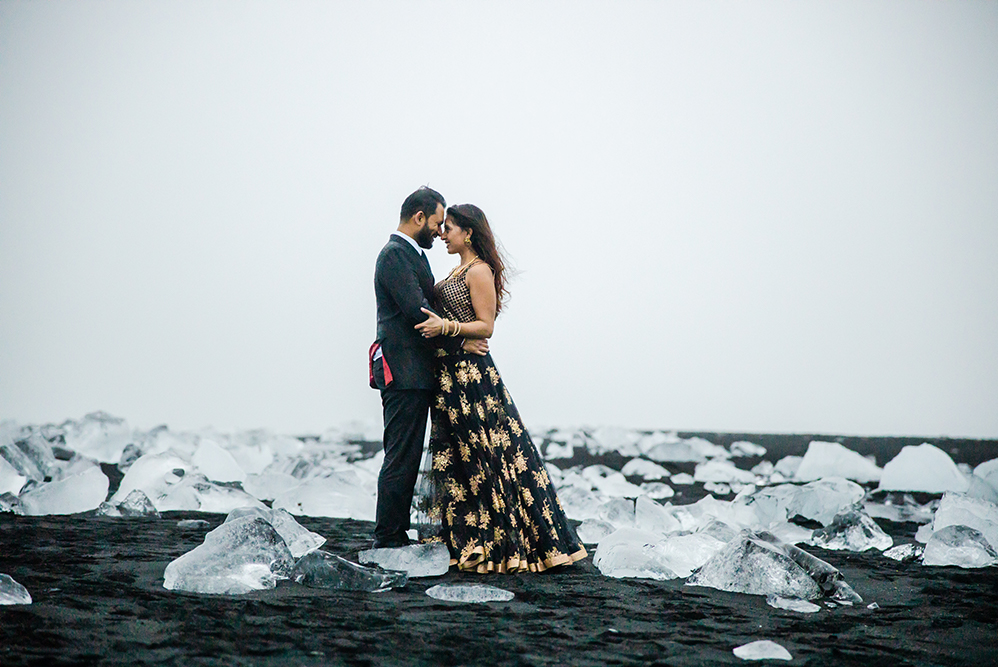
x,y
402,360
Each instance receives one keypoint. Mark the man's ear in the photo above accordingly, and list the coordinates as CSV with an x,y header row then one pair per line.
x,y
419,218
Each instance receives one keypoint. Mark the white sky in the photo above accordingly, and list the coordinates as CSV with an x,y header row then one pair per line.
x,y
741,216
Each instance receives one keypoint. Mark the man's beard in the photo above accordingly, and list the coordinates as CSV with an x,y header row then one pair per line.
x,y
424,237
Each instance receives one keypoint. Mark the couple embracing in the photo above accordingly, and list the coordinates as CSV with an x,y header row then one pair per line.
x,y
488,495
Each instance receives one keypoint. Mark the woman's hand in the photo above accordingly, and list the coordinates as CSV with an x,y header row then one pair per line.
x,y
432,326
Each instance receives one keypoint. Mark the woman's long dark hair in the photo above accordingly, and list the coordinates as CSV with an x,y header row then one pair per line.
x,y
471,218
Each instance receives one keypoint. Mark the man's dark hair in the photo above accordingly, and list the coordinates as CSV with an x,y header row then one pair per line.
x,y
424,199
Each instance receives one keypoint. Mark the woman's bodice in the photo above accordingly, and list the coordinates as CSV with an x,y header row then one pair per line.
x,y
454,296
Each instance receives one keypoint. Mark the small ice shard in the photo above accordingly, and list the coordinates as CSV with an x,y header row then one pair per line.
x,y
21,462
873,605
762,650
100,436
11,481
321,569
830,459
905,553
682,479
10,503
674,452
631,553
417,560
192,524
558,450
195,493
269,485
338,495
721,471
959,510
591,531
12,592
745,448
217,464
644,469
79,493
650,516
579,504
135,503
961,546
473,593
851,530
923,468
299,539
896,506
618,512
924,533
657,490
611,483
237,557
717,488
788,465
759,564
792,604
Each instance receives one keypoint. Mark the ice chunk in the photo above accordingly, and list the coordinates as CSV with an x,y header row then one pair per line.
x,y
721,471
682,479
321,569
790,533
417,560
788,465
100,436
988,471
474,593
819,501
709,508
192,524
579,504
717,488
591,531
217,464
299,539
135,503
674,452
611,483
758,563
21,462
905,553
745,448
650,516
896,506
792,604
618,512
959,510
339,495
631,553
614,439
269,485
961,546
979,488
685,553
11,481
12,592
851,530
195,493
154,475
644,469
237,557
657,490
79,493
762,650
830,459
923,468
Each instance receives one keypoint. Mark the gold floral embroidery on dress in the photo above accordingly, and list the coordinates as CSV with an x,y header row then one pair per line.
x,y
491,404
441,460
452,415
469,549
462,373
497,503
456,491
474,373
465,406
519,461
493,374
528,497
465,452
546,512
445,381
509,399
441,402
515,427
484,518
480,410
450,514
471,518
499,533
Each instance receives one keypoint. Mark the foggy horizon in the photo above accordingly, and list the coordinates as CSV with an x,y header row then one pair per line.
x,y
762,217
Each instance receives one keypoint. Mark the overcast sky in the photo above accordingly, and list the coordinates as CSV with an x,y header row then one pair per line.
x,y
734,216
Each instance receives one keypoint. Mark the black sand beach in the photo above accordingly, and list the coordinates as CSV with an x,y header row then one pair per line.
x,y
98,598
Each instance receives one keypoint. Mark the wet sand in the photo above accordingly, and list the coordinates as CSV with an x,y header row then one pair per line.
x,y
98,600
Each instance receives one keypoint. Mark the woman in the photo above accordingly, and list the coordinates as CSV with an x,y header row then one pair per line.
x,y
486,490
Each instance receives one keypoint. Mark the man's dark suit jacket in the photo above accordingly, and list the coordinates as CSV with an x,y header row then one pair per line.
x,y
403,284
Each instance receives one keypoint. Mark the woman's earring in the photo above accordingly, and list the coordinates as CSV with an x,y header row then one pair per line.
x,y
467,240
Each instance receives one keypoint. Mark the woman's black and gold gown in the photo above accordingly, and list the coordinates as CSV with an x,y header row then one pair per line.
x,y
485,492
